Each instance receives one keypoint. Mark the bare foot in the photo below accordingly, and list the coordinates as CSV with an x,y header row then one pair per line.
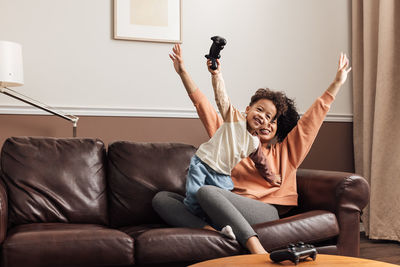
x,y
254,246
208,227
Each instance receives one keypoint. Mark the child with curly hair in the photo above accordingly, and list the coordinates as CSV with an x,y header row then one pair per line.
x,y
285,140
235,139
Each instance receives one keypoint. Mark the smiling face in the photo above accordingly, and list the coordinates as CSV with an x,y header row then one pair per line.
x,y
261,119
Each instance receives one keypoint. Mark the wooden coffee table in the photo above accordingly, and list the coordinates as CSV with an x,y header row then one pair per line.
x,y
264,261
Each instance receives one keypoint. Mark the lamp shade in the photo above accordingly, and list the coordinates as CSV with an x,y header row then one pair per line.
x,y
11,69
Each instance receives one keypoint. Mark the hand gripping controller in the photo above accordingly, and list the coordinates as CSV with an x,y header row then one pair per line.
x,y
294,253
216,47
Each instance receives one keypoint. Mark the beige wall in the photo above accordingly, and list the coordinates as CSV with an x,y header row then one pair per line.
x,y
332,150
72,62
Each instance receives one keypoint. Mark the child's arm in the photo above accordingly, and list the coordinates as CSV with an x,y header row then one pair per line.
x,y
261,164
221,97
208,115
187,81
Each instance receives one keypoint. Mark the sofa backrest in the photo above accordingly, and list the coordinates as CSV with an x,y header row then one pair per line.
x,y
137,171
55,180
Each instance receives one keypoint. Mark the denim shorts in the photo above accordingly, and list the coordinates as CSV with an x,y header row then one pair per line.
x,y
200,174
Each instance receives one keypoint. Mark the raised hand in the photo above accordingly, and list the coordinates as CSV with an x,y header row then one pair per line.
x,y
176,57
343,69
214,72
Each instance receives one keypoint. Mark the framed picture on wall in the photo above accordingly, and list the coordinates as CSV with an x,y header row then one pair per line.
x,y
148,20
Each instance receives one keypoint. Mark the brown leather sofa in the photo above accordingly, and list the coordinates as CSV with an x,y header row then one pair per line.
x,y
69,202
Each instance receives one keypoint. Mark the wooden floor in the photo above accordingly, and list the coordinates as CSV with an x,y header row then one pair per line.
x,y
386,251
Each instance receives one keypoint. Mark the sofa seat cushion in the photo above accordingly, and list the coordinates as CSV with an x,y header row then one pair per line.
x,y
165,245
135,231
310,227
59,244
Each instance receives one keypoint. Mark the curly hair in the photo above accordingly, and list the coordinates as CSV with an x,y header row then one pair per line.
x,y
288,120
286,112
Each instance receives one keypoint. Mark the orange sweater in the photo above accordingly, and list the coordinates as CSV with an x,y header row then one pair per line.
x,y
283,158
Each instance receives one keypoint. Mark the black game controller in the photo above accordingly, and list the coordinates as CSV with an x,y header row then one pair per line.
x,y
216,47
294,253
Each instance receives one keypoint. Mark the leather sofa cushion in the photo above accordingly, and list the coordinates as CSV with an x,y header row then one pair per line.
x,y
165,245
55,180
310,227
59,244
137,171
135,231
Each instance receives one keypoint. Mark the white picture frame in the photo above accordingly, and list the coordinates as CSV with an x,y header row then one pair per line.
x,y
148,20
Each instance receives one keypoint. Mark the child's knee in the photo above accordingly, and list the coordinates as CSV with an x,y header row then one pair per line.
x,y
205,191
159,199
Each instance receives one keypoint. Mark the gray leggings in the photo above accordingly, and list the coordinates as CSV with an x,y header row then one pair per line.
x,y
222,208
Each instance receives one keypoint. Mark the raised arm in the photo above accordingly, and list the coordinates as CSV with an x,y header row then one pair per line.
x,y
207,113
300,139
221,97
179,66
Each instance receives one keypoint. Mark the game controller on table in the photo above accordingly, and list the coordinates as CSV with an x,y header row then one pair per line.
x,y
216,47
294,253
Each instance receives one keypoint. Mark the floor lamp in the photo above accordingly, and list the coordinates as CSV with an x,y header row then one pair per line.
x,y
11,75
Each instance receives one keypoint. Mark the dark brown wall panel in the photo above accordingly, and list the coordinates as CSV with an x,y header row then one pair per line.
x,y
332,150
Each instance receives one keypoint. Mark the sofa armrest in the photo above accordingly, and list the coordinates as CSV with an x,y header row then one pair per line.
x,y
342,193
3,210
